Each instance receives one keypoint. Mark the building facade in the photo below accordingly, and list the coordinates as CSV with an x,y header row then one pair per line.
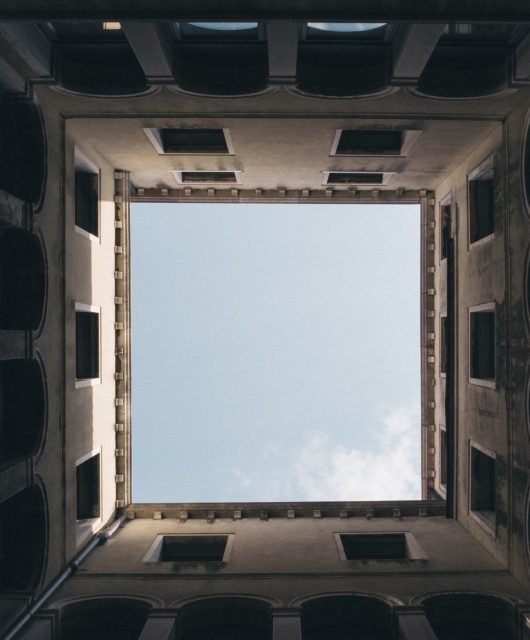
x,y
100,109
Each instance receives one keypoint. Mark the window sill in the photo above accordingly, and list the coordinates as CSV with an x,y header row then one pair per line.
x,y
481,241
85,529
87,234
80,383
486,520
483,382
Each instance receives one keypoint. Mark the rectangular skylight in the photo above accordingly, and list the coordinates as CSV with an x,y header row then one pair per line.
x,y
262,361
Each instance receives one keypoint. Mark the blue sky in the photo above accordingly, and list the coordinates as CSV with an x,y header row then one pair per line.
x,y
275,352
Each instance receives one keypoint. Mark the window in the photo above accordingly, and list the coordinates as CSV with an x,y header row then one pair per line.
x,y
190,141
482,495
357,177
206,177
481,202
86,343
354,31
526,165
87,201
443,457
443,345
232,31
378,546
190,548
482,343
87,488
369,142
373,142
445,226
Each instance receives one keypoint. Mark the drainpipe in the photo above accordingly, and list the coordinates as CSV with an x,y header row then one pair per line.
x,y
73,566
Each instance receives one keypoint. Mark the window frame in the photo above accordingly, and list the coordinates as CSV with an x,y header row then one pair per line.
x,y
408,140
85,527
88,382
155,138
177,174
485,167
154,552
386,177
446,201
83,165
413,550
443,486
487,307
443,344
488,524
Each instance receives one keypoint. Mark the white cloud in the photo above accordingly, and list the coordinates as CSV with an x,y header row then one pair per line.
x,y
321,470
242,479
389,472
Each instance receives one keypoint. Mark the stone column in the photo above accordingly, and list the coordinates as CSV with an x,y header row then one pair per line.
x,y
286,624
412,624
160,625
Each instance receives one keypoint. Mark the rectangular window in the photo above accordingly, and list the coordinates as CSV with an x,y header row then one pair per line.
x,y
86,345
190,141
482,498
87,201
481,202
443,457
374,546
367,142
87,488
190,548
206,177
443,345
346,177
445,222
193,548
482,343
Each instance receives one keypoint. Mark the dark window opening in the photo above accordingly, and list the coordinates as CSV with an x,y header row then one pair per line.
x,y
193,141
22,280
232,31
112,618
445,221
87,201
470,616
22,408
369,142
348,32
443,344
86,345
443,457
482,339
374,546
526,166
346,618
87,483
225,618
483,484
354,178
193,548
477,32
83,30
208,176
481,208
22,540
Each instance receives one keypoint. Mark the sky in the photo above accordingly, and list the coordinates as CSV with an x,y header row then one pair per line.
x,y
275,352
